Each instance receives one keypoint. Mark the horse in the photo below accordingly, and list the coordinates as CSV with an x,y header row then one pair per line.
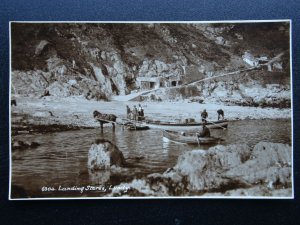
x,y
105,118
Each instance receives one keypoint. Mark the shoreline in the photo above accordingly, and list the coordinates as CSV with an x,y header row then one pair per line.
x,y
73,113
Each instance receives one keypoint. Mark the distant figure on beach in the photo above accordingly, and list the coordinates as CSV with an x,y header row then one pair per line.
x,y
204,115
128,112
220,114
134,112
140,111
13,102
204,132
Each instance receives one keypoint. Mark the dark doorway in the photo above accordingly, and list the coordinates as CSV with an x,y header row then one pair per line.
x,y
152,84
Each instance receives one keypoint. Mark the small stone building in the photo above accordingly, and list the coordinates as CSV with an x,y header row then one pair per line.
x,y
148,83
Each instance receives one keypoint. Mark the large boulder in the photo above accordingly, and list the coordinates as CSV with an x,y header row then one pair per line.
x,y
264,170
59,89
270,164
204,169
103,154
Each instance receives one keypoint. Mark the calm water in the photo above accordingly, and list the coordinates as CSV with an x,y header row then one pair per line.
x,y
62,157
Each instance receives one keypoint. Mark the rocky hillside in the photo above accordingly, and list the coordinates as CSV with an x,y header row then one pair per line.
x,y
101,60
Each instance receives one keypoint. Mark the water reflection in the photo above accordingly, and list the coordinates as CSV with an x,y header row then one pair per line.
x,y
99,177
62,157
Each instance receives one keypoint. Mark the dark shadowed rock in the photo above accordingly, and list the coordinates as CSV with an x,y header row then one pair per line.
x,y
40,47
18,192
21,145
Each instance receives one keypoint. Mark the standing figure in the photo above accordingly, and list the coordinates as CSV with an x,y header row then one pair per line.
x,y
139,109
220,114
134,112
204,115
128,111
140,112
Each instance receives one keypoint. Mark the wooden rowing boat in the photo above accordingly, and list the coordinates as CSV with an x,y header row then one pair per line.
x,y
138,127
220,124
133,124
189,138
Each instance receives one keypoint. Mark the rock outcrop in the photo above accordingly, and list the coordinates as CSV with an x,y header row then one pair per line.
x,y
23,145
103,154
223,169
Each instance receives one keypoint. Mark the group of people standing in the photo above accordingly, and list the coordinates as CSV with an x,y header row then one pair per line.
x,y
137,113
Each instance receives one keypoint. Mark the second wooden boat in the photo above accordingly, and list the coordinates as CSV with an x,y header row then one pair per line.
x,y
189,138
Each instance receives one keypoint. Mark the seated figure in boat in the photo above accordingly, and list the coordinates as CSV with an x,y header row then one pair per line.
x,y
204,132
220,114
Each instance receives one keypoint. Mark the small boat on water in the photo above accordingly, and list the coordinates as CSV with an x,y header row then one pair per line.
x,y
133,125
137,127
220,124
189,138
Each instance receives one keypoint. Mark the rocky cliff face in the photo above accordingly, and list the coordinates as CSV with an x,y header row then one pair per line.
x,y
100,60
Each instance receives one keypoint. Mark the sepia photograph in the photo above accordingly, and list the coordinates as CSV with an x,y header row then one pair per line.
x,y
125,110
